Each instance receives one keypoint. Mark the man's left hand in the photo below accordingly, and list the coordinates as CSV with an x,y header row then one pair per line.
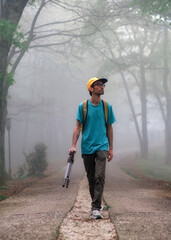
x,y
110,155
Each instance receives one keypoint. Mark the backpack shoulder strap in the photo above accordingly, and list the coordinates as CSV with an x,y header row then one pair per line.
x,y
105,107
85,109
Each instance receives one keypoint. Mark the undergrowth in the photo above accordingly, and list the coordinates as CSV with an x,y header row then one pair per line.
x,y
129,172
154,166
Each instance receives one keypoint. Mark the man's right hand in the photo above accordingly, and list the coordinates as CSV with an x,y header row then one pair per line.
x,y
72,149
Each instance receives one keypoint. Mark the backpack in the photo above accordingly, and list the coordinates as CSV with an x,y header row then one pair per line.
x,y
85,110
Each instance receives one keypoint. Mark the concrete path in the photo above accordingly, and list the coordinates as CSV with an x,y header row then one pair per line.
x,y
37,212
139,209
79,225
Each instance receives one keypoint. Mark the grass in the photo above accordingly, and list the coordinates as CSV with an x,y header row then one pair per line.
x,y
106,208
156,169
129,172
155,166
4,188
3,198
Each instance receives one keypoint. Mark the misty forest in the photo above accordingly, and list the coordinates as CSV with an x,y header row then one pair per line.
x,y
49,49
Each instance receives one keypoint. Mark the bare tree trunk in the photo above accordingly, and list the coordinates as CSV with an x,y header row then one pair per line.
x,y
144,152
132,110
3,111
168,97
4,49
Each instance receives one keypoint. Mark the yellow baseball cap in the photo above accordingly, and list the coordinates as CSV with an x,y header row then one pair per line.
x,y
94,79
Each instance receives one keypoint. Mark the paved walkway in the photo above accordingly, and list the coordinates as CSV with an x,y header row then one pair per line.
x,y
78,224
37,212
140,209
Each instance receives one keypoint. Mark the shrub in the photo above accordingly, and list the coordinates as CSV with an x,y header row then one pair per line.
x,y
20,173
37,160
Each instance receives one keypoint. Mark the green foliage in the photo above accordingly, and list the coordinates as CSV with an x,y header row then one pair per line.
x,y
10,34
155,165
3,197
9,78
106,207
18,40
4,188
7,30
33,2
154,7
37,160
129,172
156,170
20,173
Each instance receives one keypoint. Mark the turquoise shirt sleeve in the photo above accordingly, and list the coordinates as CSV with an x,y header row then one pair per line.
x,y
111,116
80,113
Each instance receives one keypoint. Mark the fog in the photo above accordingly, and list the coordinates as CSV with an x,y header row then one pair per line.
x,y
50,81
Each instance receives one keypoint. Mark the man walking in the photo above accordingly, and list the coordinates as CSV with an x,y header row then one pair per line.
x,y
95,117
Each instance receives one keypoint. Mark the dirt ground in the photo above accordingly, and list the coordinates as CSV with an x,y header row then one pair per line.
x,y
139,208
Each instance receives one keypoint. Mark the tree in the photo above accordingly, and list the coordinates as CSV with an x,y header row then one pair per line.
x,y
163,10
167,91
18,43
12,41
10,14
124,49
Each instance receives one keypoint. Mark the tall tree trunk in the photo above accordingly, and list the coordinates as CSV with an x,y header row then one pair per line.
x,y
4,50
168,97
144,153
132,110
3,111
11,11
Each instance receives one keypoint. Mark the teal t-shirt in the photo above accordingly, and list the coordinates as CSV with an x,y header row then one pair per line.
x,y
94,136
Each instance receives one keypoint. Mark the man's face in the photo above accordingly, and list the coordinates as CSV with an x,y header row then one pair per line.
x,y
98,88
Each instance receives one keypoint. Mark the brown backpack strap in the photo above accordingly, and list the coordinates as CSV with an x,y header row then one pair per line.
x,y
105,107
85,108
